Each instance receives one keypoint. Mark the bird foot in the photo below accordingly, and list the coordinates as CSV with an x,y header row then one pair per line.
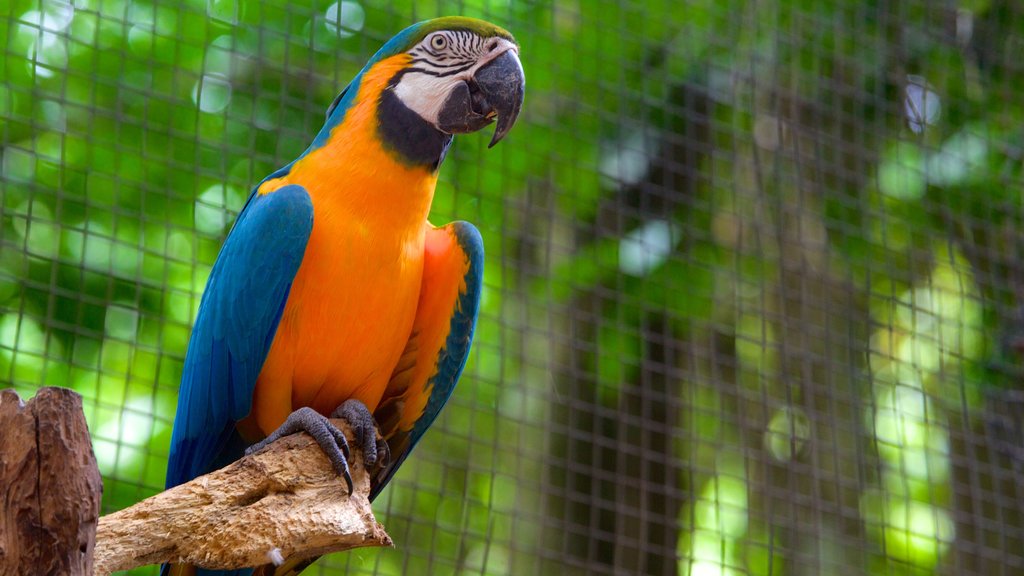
x,y
331,440
364,428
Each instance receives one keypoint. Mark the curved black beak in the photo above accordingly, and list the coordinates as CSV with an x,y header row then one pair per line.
x,y
503,86
495,91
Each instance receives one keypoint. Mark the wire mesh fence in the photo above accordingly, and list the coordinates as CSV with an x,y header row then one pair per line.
x,y
753,278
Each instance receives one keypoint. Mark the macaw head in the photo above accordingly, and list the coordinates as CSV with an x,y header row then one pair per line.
x,y
463,75
459,75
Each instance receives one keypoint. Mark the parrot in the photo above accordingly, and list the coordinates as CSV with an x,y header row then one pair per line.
x,y
332,294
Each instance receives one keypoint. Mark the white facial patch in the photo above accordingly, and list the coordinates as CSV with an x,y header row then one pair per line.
x,y
425,94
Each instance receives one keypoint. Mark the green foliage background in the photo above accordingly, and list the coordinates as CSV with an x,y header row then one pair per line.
x,y
753,276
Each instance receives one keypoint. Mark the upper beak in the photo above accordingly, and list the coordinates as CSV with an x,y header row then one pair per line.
x,y
495,91
503,86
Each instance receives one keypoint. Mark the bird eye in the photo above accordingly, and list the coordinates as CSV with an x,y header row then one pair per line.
x,y
439,42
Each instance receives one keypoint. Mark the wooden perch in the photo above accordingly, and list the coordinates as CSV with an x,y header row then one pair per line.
x,y
285,501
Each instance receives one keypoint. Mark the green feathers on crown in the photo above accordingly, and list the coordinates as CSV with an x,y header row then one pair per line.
x,y
412,35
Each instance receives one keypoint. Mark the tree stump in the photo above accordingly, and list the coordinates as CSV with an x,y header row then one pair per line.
x,y
50,484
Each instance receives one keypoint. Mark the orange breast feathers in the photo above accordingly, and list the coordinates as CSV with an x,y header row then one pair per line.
x,y
351,307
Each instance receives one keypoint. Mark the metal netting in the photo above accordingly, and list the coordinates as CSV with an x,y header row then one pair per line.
x,y
753,282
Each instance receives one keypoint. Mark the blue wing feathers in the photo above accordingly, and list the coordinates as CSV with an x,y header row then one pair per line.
x,y
238,317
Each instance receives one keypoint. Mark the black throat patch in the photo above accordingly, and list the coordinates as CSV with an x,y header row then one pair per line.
x,y
414,140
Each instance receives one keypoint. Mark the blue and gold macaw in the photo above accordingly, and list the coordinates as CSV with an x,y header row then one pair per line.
x,y
333,295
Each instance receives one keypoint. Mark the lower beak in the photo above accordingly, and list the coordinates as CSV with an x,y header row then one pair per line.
x,y
495,91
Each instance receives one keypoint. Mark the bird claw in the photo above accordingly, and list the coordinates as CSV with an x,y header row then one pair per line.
x,y
331,440
375,449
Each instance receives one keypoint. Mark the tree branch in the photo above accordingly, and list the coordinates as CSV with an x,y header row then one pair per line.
x,y
285,501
